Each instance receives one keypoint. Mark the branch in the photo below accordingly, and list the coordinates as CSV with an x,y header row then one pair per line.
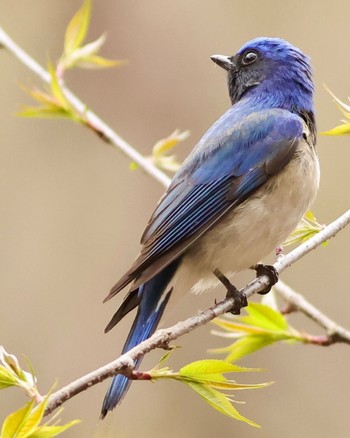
x,y
105,131
335,333
126,363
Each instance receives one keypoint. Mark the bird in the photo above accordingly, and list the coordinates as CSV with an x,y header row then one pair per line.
x,y
237,196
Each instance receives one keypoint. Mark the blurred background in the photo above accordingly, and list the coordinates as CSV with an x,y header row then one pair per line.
x,y
72,212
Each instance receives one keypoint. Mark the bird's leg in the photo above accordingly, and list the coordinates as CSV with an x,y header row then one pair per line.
x,y
268,270
232,292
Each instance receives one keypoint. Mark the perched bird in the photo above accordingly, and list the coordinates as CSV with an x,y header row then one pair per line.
x,y
238,195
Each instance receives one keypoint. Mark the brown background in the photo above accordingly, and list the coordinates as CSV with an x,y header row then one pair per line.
x,y
72,212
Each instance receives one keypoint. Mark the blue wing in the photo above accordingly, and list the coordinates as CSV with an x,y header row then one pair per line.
x,y
234,158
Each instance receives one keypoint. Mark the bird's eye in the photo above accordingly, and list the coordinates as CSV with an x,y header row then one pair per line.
x,y
249,58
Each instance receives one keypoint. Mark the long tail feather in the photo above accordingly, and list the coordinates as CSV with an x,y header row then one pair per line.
x,y
152,298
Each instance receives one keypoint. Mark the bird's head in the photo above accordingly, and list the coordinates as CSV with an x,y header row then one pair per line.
x,y
272,71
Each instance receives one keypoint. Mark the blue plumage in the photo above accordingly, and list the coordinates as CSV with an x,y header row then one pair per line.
x,y
149,312
214,186
238,194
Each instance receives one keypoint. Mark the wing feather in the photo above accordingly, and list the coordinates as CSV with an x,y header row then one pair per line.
x,y
211,182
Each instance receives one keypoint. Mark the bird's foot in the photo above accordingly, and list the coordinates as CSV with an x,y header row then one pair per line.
x,y
232,292
268,270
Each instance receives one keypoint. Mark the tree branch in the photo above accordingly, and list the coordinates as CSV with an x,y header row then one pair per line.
x,y
125,363
335,332
104,130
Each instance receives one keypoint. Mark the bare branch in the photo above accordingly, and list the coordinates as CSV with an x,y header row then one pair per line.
x,y
335,332
125,363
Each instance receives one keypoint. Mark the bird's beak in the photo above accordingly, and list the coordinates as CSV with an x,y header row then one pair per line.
x,y
223,61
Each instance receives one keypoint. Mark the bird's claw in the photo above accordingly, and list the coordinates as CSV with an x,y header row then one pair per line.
x,y
240,299
268,270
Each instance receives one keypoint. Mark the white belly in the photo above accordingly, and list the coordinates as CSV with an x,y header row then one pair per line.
x,y
254,229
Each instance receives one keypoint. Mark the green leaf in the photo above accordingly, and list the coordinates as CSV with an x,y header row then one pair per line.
x,y
211,366
76,54
11,362
7,378
45,113
86,57
306,229
77,28
343,129
25,423
206,378
168,163
164,358
167,144
88,49
15,422
219,401
56,89
248,345
41,96
11,374
220,382
51,431
160,152
236,329
264,317
262,326
32,420
338,130
53,104
95,61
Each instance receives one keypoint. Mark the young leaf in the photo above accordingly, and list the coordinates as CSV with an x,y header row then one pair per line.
x,y
166,162
262,326
77,28
220,402
25,423
56,89
206,377
53,103
343,129
10,371
160,151
31,420
76,54
306,229
248,345
11,374
7,378
167,144
14,423
211,366
265,317
52,431
86,57
95,61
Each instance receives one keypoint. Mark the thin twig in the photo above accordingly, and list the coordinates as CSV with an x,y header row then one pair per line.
x,y
104,130
298,302
125,363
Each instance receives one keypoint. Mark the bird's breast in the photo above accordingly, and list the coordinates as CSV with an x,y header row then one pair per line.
x,y
251,231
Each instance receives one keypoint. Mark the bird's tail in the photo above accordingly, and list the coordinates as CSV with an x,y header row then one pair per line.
x,y
151,299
